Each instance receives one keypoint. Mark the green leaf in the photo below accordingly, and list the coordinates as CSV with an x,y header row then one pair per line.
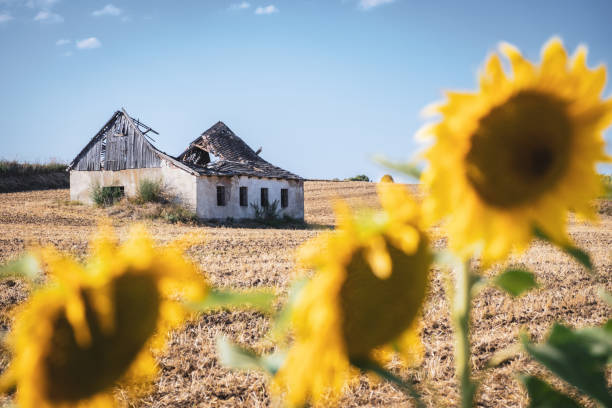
x,y
224,299
504,354
405,387
578,254
516,281
25,267
407,168
282,320
608,327
578,357
447,259
542,395
233,356
605,295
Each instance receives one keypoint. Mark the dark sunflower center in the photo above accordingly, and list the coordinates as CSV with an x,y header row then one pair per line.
x,y
520,149
76,373
540,161
377,311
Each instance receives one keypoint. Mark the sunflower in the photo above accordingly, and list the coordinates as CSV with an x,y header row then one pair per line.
x,y
94,326
364,300
519,153
387,178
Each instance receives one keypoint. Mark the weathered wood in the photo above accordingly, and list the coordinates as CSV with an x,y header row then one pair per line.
x,y
119,145
122,144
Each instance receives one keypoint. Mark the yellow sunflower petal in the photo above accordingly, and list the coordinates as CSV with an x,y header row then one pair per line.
x,y
119,309
104,241
377,256
410,346
60,266
522,69
75,313
521,152
139,249
102,302
344,216
398,202
406,237
365,293
493,73
425,132
554,57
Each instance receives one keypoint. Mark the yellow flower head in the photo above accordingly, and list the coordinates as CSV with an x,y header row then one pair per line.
x,y
364,300
387,178
519,153
94,326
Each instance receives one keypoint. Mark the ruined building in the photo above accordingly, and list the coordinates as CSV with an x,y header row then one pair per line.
x,y
218,176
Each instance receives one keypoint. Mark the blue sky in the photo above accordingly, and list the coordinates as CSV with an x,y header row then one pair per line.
x,y
320,85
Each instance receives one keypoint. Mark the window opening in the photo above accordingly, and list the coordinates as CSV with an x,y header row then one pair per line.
x,y
220,195
264,197
284,198
244,199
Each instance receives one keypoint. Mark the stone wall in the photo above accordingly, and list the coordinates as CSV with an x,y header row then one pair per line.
x,y
199,194
207,207
177,182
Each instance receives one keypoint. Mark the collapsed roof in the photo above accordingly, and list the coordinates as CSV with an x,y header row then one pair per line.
x,y
234,156
123,143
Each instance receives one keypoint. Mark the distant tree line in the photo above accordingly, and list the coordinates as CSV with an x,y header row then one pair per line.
x,y
15,168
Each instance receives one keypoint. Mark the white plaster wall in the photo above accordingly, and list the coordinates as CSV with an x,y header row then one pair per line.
x,y
177,182
207,207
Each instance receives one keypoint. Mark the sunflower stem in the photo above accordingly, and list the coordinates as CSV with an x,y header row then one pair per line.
x,y
461,311
405,387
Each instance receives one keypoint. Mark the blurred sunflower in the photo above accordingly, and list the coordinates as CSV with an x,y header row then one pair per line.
x,y
94,326
363,302
519,153
387,178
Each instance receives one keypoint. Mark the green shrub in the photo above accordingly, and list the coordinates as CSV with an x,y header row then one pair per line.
x,y
150,191
271,216
359,177
267,213
174,213
106,196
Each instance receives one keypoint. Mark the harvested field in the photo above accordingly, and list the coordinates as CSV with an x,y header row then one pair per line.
x,y
263,257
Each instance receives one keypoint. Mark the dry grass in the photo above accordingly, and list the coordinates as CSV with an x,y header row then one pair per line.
x,y
17,176
240,257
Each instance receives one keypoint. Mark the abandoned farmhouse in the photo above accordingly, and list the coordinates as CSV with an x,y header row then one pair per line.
x,y
218,176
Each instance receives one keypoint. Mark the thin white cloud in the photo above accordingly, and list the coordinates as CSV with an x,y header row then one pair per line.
x,y
4,17
46,16
88,43
271,9
240,6
67,54
43,4
370,4
108,10
62,41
